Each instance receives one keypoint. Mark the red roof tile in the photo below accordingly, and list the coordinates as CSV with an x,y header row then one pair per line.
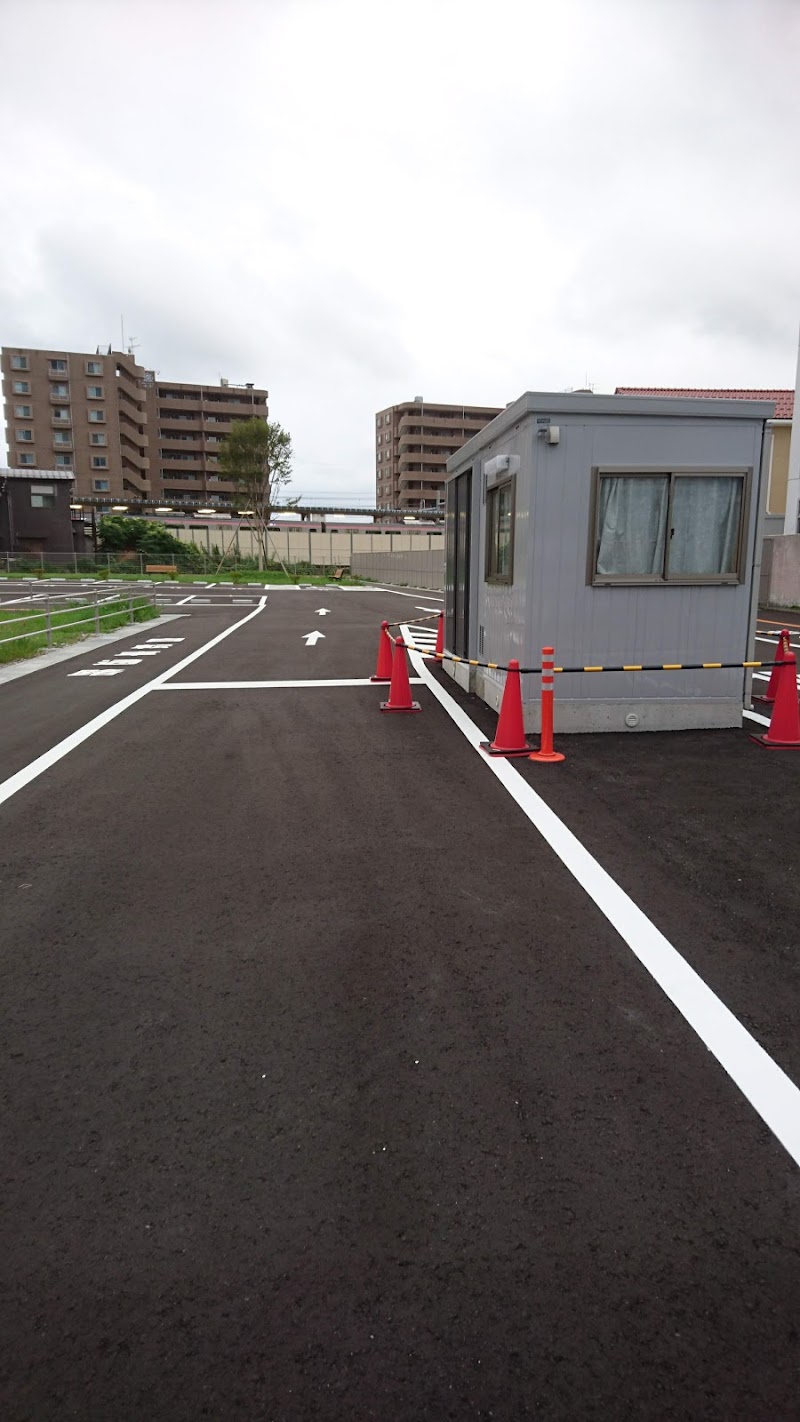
x,y
784,399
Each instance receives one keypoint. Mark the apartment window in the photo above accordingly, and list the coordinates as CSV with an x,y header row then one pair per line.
x,y
100,486
21,387
43,496
62,437
94,392
99,461
57,366
19,362
61,412
24,436
64,461
97,437
500,533
23,412
25,458
94,367
60,390
97,417
668,527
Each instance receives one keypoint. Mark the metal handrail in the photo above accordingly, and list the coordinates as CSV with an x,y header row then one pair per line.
x,y
125,603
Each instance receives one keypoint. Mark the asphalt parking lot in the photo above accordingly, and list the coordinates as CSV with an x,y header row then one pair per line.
x,y
340,1084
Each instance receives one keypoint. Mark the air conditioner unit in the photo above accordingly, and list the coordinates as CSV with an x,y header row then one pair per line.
x,y
223,381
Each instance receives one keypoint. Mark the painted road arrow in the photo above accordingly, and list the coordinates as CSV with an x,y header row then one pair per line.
x,y
323,611
312,637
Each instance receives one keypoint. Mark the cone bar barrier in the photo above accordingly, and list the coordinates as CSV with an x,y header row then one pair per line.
x,y
383,667
545,751
783,650
509,739
400,689
439,649
784,726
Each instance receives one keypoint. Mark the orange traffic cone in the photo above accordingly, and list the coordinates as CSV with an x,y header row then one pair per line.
x,y
509,738
440,636
400,689
784,726
772,686
383,669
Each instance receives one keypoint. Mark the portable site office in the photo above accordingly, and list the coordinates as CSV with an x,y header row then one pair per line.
x,y
619,529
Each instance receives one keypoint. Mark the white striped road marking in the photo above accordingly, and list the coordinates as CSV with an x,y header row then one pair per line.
x,y
420,608
37,767
765,1085
754,716
182,600
260,685
765,676
90,671
119,662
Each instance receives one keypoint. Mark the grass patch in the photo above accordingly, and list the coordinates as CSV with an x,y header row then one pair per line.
x,y
70,624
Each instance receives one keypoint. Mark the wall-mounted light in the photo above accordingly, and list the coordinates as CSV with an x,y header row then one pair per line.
x,y
119,508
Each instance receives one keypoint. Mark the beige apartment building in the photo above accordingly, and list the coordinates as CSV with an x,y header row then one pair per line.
x,y
413,443
126,435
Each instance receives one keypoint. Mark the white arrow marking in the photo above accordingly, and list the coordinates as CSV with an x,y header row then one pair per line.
x,y
323,611
312,638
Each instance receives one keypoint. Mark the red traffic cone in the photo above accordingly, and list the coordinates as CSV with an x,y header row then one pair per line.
x,y
772,686
400,689
509,738
440,636
383,668
784,726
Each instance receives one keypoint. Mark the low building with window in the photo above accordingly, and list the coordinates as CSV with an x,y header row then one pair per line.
x,y
35,515
623,531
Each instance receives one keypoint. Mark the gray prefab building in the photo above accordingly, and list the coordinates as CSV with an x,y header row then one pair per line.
x,y
621,530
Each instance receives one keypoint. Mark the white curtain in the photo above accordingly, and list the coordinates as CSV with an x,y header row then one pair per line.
x,y
706,514
632,525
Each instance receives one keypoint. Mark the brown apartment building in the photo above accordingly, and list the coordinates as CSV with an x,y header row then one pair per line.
x,y
125,434
413,442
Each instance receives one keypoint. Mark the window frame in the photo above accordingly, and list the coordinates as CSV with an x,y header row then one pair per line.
x,y
493,491
97,417
57,366
673,473
64,461
23,412
43,491
26,458
96,461
98,439
20,362
101,486
90,364
20,387
24,436
95,392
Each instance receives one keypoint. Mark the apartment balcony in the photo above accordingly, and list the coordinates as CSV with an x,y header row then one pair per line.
x,y
131,425
179,402
134,479
61,399
186,424
62,446
129,390
61,424
181,466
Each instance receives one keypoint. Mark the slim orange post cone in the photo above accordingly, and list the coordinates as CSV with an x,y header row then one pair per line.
x,y
400,689
440,636
784,726
772,685
509,737
383,668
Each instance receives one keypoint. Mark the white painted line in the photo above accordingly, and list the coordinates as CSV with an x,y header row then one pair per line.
x,y
182,600
754,716
768,1089
90,671
260,685
57,752
167,639
118,662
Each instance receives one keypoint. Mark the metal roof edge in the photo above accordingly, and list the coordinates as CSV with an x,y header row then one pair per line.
x,y
556,403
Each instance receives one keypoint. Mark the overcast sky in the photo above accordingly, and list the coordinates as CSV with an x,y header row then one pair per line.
x,y
352,202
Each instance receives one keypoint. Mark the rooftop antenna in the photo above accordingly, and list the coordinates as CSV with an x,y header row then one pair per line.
x,y
122,331
132,345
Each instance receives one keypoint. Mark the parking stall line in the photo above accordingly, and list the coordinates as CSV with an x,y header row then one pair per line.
x,y
772,1094
37,767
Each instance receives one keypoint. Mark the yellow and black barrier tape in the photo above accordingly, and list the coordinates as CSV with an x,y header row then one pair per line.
x,y
625,667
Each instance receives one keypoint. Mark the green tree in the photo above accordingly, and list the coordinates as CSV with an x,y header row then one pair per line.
x,y
257,457
155,542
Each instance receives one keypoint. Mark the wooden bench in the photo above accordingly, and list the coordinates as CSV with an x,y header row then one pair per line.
x,y
338,573
161,567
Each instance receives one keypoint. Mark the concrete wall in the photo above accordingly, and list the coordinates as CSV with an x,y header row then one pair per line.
x,y
780,571
329,548
418,569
